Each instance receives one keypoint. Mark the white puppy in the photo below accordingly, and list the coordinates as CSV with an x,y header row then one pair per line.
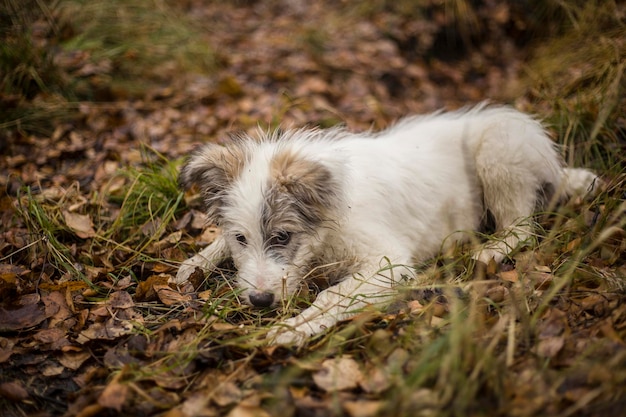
x,y
360,209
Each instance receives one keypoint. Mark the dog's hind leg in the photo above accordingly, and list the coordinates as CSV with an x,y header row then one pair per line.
x,y
207,259
511,196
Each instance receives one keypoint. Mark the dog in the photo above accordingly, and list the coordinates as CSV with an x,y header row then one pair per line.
x,y
361,208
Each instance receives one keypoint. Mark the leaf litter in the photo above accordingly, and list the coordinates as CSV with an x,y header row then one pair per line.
x,y
89,324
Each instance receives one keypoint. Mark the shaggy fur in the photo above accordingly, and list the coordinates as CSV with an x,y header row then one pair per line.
x,y
370,205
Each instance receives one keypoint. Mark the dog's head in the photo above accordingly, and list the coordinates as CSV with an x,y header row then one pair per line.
x,y
274,200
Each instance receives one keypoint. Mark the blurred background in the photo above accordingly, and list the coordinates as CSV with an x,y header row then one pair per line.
x,y
174,73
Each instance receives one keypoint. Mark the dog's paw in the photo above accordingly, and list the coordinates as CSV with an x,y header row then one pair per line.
x,y
286,337
487,255
188,268
291,332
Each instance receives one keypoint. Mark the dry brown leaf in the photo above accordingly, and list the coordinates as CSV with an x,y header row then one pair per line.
x,y
497,294
223,326
167,241
91,410
397,359
145,289
554,323
74,360
510,276
13,391
540,279
247,411
120,299
227,393
205,295
80,224
363,408
338,374
6,349
110,330
194,405
9,272
50,368
114,396
550,346
376,380
574,244
594,302
22,316
169,296
49,335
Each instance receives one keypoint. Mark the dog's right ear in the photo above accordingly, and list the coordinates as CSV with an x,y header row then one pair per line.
x,y
213,168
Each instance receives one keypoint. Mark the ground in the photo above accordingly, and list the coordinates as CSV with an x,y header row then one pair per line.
x,y
100,102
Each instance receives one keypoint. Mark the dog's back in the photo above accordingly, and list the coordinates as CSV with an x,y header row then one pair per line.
x,y
431,179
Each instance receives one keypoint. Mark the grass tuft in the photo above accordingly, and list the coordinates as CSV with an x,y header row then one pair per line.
x,y
42,215
147,41
580,73
149,200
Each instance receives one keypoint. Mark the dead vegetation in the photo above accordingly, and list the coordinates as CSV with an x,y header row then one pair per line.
x,y
96,114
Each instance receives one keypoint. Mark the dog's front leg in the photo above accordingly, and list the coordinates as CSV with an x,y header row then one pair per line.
x,y
334,304
207,259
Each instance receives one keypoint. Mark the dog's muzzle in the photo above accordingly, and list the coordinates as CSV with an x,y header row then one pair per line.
x,y
261,299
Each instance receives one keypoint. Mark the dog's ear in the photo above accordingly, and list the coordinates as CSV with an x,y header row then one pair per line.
x,y
213,168
309,182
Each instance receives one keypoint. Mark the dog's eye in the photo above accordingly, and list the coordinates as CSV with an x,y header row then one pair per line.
x,y
281,238
241,239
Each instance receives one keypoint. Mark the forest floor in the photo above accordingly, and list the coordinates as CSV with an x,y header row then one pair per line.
x,y
93,224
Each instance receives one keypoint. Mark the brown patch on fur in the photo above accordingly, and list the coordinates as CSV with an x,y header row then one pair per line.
x,y
213,168
283,212
310,183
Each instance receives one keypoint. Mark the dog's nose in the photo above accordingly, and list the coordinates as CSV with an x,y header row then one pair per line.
x,y
261,299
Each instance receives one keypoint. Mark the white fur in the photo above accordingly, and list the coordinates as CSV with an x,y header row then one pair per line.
x,y
398,197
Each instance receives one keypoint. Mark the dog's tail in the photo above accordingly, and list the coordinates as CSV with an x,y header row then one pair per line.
x,y
578,182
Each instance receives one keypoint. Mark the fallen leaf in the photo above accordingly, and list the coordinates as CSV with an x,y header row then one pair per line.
x,y
363,408
6,349
497,294
167,241
50,368
338,374
13,391
49,335
540,279
110,330
510,276
376,380
145,289
120,299
169,296
113,396
9,272
226,393
80,224
247,411
550,346
23,316
73,360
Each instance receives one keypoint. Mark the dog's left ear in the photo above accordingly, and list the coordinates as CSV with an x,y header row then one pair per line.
x,y
310,182
213,168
